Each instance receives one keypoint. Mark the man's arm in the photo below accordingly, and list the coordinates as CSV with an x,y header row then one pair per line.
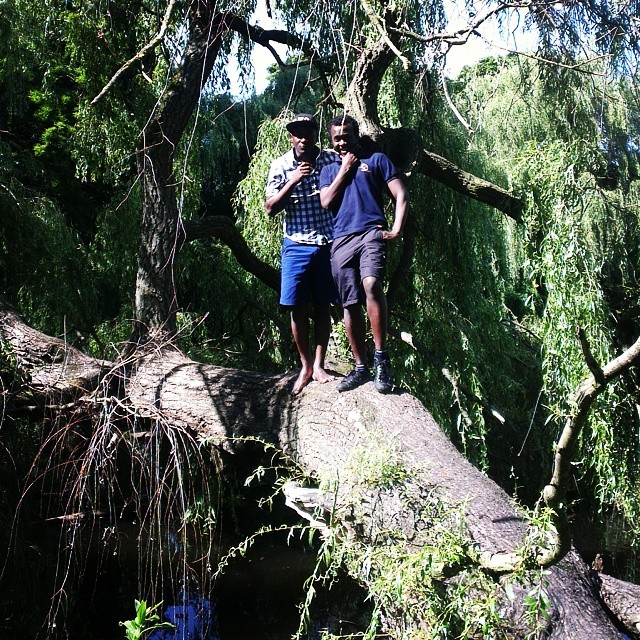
x,y
277,202
331,194
399,195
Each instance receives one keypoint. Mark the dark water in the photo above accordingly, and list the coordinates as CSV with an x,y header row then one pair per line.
x,y
256,597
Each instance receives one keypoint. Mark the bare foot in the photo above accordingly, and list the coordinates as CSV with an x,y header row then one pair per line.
x,y
303,380
321,376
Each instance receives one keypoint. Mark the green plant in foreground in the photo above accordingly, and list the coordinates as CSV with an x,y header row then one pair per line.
x,y
541,533
144,622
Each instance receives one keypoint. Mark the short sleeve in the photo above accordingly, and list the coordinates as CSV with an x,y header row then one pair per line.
x,y
388,169
275,180
326,176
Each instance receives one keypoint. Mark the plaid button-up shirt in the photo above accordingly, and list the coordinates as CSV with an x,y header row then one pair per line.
x,y
305,221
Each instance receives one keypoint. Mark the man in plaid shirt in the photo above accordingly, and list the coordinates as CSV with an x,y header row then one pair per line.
x,y
292,187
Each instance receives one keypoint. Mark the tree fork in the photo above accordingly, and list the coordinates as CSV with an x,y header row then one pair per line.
x,y
404,146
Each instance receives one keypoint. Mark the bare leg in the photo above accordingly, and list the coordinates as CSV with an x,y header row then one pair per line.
x,y
322,331
356,332
300,330
376,310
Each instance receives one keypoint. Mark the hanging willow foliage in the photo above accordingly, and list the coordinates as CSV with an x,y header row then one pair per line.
x,y
575,160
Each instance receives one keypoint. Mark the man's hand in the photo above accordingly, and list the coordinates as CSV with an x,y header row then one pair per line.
x,y
390,236
278,202
303,170
331,194
349,160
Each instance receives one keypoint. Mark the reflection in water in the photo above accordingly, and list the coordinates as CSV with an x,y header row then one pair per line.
x,y
257,597
194,619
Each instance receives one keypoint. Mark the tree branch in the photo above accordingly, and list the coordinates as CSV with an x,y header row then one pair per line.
x,y
49,371
623,600
378,24
452,106
446,172
152,44
223,229
256,34
594,367
554,493
462,35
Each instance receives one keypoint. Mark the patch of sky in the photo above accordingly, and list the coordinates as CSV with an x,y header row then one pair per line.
x,y
494,37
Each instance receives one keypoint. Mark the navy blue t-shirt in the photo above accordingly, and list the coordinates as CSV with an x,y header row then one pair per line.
x,y
361,205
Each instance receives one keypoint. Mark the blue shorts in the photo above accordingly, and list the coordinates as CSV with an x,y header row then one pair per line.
x,y
306,274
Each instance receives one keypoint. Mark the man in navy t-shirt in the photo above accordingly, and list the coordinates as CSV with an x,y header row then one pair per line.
x,y
352,188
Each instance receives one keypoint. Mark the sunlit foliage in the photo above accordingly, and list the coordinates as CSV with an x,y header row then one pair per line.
x,y
577,257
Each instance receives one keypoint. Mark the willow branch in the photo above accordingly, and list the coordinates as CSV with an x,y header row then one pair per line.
x,y
152,44
377,23
407,252
452,106
457,387
590,388
556,63
462,35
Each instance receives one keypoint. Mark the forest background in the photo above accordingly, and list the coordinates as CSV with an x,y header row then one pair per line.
x,y
495,311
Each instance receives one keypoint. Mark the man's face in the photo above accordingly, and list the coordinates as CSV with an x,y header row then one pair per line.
x,y
343,139
303,140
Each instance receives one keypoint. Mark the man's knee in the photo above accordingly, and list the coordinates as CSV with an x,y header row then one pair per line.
x,y
372,287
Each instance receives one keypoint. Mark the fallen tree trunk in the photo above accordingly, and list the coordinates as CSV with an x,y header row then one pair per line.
x,y
623,599
327,433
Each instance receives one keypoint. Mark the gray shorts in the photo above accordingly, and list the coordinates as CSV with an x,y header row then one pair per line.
x,y
354,258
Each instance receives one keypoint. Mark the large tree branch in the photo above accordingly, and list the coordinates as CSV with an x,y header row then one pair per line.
x,y
380,25
362,95
51,372
449,174
223,229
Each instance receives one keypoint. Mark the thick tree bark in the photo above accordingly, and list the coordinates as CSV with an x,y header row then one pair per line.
x,y
155,303
323,430
622,598
446,172
48,370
